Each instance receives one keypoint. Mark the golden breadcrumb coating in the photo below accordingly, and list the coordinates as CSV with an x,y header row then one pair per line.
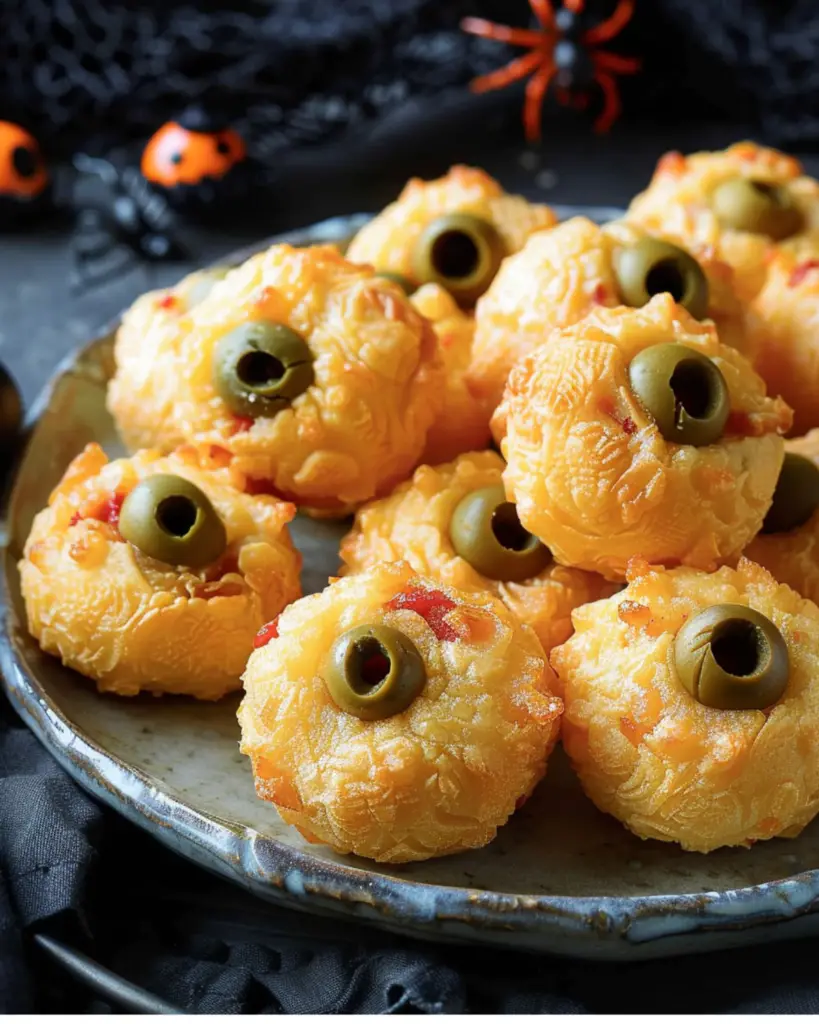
x,y
359,428
793,557
133,623
559,277
677,204
786,314
414,524
462,425
387,241
589,470
140,399
649,753
441,776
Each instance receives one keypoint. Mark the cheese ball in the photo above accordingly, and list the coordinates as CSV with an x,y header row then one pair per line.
x,y
141,399
175,607
788,545
743,202
562,275
453,231
463,424
396,718
786,318
318,377
692,706
636,433
453,523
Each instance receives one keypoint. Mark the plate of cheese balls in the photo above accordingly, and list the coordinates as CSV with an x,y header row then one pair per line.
x,y
454,567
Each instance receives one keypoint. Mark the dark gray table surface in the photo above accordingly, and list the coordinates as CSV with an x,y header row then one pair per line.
x,y
41,320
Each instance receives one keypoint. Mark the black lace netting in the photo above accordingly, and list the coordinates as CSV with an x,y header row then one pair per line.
x,y
92,73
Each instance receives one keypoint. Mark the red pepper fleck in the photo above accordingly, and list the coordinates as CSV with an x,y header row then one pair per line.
x,y
801,271
168,302
600,294
106,511
431,605
266,634
739,424
241,424
629,425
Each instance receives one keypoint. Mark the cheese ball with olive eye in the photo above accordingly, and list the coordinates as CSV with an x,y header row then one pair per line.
x,y
635,433
453,522
788,545
140,399
153,573
743,203
562,275
785,315
692,706
463,424
396,718
453,231
318,377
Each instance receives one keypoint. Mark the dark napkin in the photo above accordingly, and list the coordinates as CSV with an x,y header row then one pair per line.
x,y
74,870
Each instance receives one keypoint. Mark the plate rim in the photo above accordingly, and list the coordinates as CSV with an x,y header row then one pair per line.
x,y
276,870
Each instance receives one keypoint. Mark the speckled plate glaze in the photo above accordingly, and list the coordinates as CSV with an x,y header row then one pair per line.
x,y
561,877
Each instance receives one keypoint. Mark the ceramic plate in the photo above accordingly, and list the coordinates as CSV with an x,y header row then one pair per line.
x,y
560,877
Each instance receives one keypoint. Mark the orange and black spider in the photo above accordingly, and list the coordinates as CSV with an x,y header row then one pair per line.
x,y
561,51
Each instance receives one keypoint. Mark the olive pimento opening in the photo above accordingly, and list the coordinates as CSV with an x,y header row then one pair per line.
x,y
508,529
454,254
369,665
691,384
740,648
666,276
176,515
258,369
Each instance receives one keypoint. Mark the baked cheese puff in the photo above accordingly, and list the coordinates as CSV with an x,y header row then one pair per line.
x,y
318,377
743,202
397,718
153,573
140,399
692,706
463,424
786,319
453,523
788,544
453,231
562,275
636,433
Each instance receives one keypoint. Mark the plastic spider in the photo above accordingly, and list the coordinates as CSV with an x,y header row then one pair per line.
x,y
561,51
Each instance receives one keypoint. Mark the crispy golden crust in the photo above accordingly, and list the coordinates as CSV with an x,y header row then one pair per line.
x,y
667,766
559,277
413,524
360,427
387,241
786,315
463,424
677,203
132,623
140,399
440,777
793,557
591,474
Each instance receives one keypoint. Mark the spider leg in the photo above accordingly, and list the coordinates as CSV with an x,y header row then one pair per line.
x,y
612,26
611,101
535,91
615,62
85,276
502,33
543,12
518,68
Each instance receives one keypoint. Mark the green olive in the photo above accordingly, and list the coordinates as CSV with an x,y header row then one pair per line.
x,y
168,518
683,391
11,414
796,497
204,285
733,658
745,204
460,252
374,672
261,367
403,283
651,266
486,532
